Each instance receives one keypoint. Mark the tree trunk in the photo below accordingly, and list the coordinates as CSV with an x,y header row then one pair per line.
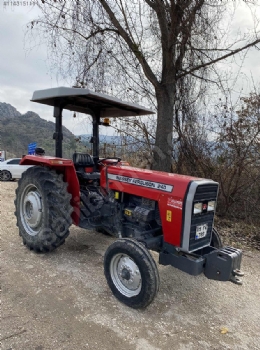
x,y
162,152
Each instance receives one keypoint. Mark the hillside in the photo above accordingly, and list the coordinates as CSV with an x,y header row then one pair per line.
x,y
18,130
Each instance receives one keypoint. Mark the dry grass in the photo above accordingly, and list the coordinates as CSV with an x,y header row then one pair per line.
x,y
238,233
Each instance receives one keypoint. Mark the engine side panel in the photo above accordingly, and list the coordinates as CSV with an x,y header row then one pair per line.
x,y
171,212
169,190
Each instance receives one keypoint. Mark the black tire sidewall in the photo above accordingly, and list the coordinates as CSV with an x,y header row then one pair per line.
x,y
44,229
216,239
146,265
56,209
9,175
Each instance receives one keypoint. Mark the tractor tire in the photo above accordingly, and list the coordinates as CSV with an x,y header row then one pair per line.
x,y
42,209
5,175
216,240
131,273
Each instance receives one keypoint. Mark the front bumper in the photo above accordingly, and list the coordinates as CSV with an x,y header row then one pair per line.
x,y
217,264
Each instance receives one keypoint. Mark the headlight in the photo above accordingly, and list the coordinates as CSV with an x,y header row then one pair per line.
x,y
211,205
197,208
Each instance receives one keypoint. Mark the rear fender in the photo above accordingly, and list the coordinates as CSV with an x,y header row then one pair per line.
x,y
65,167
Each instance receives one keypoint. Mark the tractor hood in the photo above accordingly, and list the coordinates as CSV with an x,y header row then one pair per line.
x,y
89,102
153,183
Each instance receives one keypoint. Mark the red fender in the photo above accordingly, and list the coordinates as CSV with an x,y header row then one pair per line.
x,y
65,167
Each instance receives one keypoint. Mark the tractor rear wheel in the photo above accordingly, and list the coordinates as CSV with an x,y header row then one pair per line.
x,y
131,273
42,209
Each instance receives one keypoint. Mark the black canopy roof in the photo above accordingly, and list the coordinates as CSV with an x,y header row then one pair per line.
x,y
89,102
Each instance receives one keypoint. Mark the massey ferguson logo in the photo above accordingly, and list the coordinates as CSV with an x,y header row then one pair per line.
x,y
204,207
143,183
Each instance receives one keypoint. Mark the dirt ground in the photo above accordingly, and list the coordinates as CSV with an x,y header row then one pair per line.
x,y
61,300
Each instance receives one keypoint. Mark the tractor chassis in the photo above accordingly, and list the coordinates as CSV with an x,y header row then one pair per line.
x,y
218,264
143,209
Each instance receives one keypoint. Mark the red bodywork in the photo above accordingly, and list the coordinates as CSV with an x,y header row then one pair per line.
x,y
167,189
145,184
63,166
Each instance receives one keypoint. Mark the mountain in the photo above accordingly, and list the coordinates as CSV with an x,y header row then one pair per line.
x,y
109,139
8,110
18,130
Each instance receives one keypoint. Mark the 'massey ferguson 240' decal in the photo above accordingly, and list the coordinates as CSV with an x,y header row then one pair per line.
x,y
143,183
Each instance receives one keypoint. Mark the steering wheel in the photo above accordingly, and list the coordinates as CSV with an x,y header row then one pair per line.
x,y
108,158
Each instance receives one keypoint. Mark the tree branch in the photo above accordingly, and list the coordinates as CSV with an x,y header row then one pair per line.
x,y
132,45
218,59
103,30
186,32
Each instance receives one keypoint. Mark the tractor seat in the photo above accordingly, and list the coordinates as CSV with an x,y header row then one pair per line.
x,y
82,160
84,166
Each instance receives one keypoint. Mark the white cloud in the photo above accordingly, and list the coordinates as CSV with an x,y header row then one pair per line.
x,y
22,72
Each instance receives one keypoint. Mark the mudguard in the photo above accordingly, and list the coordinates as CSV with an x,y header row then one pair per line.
x,y
65,167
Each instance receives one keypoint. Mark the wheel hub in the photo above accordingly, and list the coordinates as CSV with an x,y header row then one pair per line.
x,y
126,275
5,175
31,210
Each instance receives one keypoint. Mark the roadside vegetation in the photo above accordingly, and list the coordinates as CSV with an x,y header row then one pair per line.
x,y
174,56
230,156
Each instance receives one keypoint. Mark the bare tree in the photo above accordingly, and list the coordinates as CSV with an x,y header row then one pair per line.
x,y
237,166
147,48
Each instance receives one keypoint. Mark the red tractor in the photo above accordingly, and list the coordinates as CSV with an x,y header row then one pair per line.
x,y
144,209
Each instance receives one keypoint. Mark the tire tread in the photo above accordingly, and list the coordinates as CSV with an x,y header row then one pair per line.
x,y
57,202
136,249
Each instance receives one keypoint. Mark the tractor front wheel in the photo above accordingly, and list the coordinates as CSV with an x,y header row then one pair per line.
x,y
43,209
131,273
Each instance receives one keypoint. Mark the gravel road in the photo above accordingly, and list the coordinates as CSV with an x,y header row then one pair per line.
x,y
61,300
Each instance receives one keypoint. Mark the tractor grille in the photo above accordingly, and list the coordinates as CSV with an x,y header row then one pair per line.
x,y
204,194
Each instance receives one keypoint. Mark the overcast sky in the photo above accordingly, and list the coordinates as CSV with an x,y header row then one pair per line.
x,y
23,72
